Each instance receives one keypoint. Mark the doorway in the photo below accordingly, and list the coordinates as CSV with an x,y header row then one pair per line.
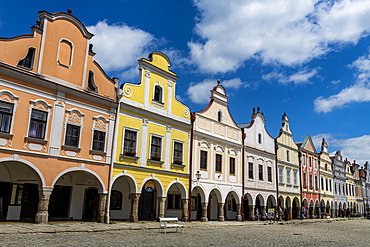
x,y
91,195
147,204
59,201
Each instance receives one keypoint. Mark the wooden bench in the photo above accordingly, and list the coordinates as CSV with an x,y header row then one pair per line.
x,y
170,222
328,218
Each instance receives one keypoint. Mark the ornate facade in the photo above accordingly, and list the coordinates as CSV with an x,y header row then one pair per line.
x,y
217,160
58,115
260,192
339,172
289,190
326,181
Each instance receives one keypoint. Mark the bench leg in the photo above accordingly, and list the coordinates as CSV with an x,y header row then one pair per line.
x,y
165,230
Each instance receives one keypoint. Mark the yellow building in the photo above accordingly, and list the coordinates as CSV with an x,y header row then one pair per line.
x,y
288,168
326,181
350,189
150,175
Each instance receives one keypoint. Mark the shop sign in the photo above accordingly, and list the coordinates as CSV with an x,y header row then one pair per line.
x,y
149,186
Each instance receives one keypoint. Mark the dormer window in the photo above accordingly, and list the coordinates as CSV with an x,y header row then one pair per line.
x,y
28,60
91,82
158,93
219,116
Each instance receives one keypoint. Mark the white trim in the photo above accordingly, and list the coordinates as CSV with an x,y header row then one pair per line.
x,y
137,138
150,144
183,187
33,58
85,65
173,150
15,105
41,55
71,57
104,128
16,158
84,169
125,174
155,179
69,112
162,93
33,105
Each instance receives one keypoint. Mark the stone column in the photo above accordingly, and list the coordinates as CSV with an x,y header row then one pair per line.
x,y
204,212
263,213
251,213
134,217
290,213
221,212
312,210
42,215
324,211
102,207
239,212
185,210
299,213
162,204
332,213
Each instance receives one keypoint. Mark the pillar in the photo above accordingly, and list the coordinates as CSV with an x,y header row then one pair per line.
x,y
251,213
290,213
312,210
263,212
134,217
162,203
239,212
204,211
332,213
221,211
185,210
42,215
102,207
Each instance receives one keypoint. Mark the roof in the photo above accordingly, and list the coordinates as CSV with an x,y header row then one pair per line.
x,y
244,125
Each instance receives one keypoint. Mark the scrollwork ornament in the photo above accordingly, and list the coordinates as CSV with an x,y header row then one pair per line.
x,y
186,112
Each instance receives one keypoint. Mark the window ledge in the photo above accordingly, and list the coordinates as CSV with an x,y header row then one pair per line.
x,y
158,102
155,162
66,147
37,140
98,152
178,165
281,183
6,135
121,157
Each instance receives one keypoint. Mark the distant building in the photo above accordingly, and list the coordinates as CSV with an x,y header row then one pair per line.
x,y
57,116
217,161
359,195
339,172
289,190
260,193
350,190
366,176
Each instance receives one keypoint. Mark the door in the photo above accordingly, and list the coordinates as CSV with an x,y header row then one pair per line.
x,y
30,201
59,201
147,204
91,196
5,192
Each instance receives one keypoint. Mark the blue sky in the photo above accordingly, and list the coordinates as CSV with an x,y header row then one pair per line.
x,y
307,58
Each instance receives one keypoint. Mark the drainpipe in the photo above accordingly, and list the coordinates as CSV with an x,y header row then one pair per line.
x,y
300,178
243,138
276,177
113,156
319,159
192,119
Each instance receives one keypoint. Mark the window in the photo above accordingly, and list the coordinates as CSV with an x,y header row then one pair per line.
x,y
339,189
335,188
129,145
316,183
269,174
158,93
37,124
219,116
310,161
155,149
98,141
6,113
304,160
116,200
281,174
259,138
91,82
330,184
326,166
218,162
250,170
232,165
260,172
304,179
347,189
203,160
28,60
311,182
173,201
72,136
315,162
177,152
288,176
322,183
296,177
65,52
287,156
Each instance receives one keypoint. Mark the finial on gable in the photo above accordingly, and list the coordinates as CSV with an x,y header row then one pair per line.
x,y
218,82
69,11
258,109
254,110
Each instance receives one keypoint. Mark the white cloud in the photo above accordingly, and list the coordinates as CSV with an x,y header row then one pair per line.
x,y
287,32
356,148
199,93
302,76
119,46
335,82
358,92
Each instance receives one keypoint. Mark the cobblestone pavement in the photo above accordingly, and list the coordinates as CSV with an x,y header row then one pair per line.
x,y
354,232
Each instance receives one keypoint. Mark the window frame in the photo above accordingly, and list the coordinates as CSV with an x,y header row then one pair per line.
x,y
288,176
200,160
218,163
259,138
295,177
250,170
288,155
151,145
73,117
40,105
174,196
32,59
161,101
8,97
136,141
260,172
9,114
182,150
304,179
269,174
232,165
121,200
281,174
100,123
71,56
91,78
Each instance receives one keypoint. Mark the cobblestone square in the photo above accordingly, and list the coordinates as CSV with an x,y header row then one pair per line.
x,y
355,232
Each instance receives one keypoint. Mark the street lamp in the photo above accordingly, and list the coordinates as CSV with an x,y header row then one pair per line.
x,y
198,175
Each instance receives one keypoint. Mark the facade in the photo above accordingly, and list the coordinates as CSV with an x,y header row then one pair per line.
x,y
350,190
289,191
260,192
217,159
359,195
326,181
150,177
366,176
339,172
57,110
310,177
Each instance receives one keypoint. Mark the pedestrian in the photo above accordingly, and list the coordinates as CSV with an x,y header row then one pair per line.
x,y
281,213
257,214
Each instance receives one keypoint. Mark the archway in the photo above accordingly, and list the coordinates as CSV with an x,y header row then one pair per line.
x,y
340,213
317,209
151,193
214,199
123,193
311,209
176,202
288,209
281,202
328,208
296,209
271,204
197,199
248,209
260,208
231,206
19,189
305,208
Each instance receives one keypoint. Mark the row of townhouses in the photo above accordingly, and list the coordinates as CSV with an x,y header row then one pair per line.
x,y
75,144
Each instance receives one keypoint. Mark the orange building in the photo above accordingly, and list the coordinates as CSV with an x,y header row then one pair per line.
x,y
57,116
